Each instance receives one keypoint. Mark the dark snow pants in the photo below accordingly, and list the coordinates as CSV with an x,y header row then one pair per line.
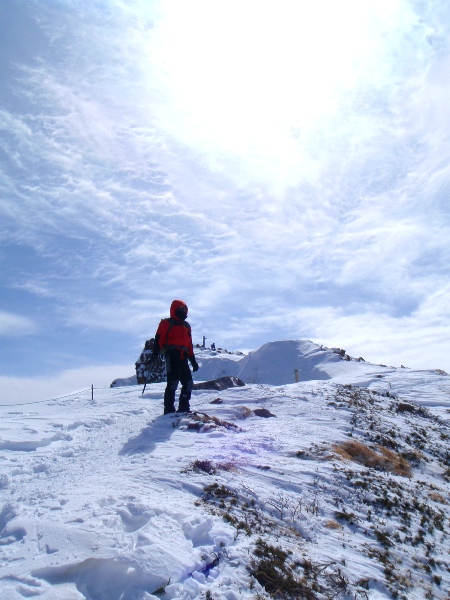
x,y
177,370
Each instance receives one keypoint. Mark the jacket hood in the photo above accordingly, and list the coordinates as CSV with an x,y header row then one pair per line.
x,y
176,304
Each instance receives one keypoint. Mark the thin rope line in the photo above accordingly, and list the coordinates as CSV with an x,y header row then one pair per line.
x,y
49,400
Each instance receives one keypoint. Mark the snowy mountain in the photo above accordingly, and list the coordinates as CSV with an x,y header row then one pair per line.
x,y
275,363
333,487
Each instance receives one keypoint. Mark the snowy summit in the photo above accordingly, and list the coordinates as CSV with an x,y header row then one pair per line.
x,y
333,486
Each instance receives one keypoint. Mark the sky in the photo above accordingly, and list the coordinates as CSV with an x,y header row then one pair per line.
x,y
282,167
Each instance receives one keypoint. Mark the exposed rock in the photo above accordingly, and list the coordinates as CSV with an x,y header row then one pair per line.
x,y
263,412
339,351
222,383
407,407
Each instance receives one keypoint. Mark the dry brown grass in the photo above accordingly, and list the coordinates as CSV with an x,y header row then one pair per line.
x,y
381,459
438,498
243,412
332,524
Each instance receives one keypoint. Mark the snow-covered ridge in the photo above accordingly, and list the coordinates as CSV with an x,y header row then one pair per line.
x,y
341,489
278,363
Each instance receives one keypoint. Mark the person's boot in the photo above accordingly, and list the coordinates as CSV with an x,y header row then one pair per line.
x,y
169,400
183,402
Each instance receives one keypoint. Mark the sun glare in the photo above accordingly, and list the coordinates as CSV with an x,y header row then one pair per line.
x,y
247,76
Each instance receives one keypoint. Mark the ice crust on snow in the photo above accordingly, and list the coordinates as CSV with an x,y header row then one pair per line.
x,y
110,500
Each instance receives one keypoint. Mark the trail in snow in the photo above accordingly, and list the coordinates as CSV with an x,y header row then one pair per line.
x,y
108,499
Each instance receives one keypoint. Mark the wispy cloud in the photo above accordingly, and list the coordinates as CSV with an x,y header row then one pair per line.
x,y
15,325
279,166
415,340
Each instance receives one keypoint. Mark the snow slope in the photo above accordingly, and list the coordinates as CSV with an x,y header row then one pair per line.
x,y
275,363
107,499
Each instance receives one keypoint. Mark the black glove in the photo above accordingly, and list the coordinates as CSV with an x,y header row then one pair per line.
x,y
194,363
155,349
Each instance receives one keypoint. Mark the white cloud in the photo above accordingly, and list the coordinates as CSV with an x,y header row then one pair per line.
x,y
18,390
249,158
255,83
12,325
419,340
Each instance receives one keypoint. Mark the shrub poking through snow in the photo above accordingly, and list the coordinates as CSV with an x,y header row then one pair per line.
x,y
270,569
284,577
207,466
203,466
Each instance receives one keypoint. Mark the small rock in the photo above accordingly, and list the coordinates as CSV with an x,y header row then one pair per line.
x,y
263,412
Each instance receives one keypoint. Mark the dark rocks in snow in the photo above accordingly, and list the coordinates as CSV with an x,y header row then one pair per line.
x,y
263,412
338,351
403,407
342,353
216,351
222,383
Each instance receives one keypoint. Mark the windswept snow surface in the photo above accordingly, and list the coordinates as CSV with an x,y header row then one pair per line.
x,y
107,499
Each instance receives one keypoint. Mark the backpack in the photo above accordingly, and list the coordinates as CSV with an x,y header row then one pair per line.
x,y
147,371
172,322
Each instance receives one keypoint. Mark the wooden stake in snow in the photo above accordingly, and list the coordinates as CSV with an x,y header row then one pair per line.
x,y
92,391
296,376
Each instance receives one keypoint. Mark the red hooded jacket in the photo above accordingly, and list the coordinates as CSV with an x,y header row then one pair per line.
x,y
173,333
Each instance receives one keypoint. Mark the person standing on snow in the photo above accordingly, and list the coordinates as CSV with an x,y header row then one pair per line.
x,y
173,339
